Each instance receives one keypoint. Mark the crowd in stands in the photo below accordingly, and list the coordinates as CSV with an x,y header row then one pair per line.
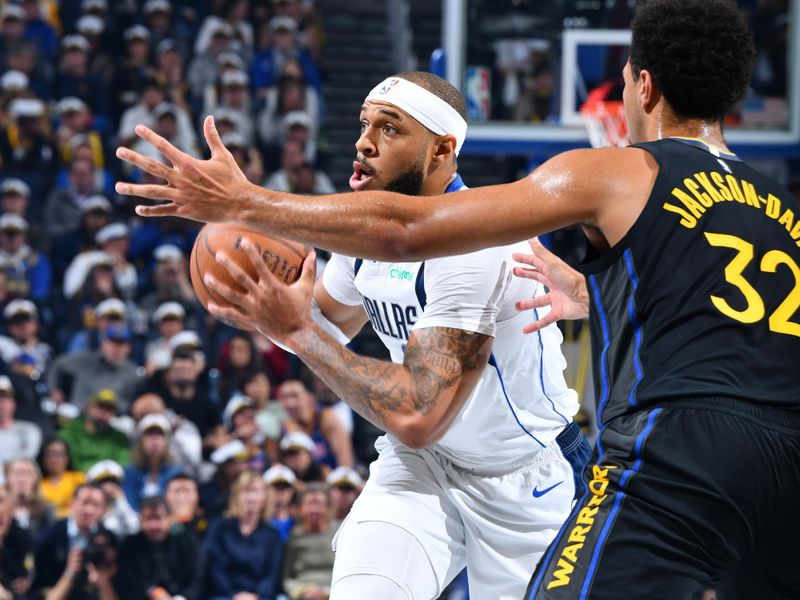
x,y
148,450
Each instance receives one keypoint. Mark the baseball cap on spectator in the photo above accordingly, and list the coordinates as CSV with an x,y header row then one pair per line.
x,y
233,139
97,202
185,338
279,474
12,185
236,404
234,78
167,252
233,450
12,222
136,32
111,308
106,397
14,81
75,42
12,12
221,28
26,107
152,6
226,115
283,22
166,45
20,308
297,118
118,333
112,231
165,108
168,310
6,386
154,421
297,440
71,104
105,470
90,25
230,59
345,477
92,5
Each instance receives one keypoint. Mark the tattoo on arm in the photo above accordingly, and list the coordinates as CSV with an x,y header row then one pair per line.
x,y
436,359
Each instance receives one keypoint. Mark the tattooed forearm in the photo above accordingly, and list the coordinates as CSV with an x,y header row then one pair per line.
x,y
436,361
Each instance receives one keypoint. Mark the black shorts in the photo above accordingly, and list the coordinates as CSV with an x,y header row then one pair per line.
x,y
682,495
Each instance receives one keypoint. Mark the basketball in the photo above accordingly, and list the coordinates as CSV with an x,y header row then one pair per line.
x,y
284,258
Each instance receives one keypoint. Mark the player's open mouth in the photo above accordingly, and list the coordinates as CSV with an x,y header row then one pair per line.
x,y
361,176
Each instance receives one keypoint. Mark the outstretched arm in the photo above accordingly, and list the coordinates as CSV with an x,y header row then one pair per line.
x,y
576,186
415,401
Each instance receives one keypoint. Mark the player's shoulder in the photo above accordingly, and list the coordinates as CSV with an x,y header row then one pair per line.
x,y
486,258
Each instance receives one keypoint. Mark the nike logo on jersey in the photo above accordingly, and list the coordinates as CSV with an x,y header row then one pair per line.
x,y
540,493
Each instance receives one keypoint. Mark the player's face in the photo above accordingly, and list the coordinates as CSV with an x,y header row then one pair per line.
x,y
633,110
391,151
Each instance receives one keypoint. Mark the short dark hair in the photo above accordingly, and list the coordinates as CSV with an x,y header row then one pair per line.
x,y
438,87
699,52
153,503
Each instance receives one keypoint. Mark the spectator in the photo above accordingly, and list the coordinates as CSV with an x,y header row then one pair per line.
x,y
88,282
96,320
237,361
231,461
62,554
75,118
31,512
332,445
246,156
280,482
327,398
18,439
74,78
28,273
133,71
151,466
233,95
184,393
183,500
345,485
80,376
268,60
269,414
64,208
158,20
239,418
276,360
22,324
293,161
161,561
92,438
13,29
308,563
204,68
119,518
165,123
234,15
244,550
186,446
38,30
95,214
170,63
170,281
25,145
169,319
297,453
15,196
101,63
115,240
59,477
16,549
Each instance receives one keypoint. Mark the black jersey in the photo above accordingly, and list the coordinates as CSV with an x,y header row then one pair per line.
x,y
702,295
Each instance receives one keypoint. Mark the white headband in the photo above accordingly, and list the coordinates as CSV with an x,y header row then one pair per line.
x,y
427,108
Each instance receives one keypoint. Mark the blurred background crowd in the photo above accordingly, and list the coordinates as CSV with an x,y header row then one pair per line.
x,y
147,450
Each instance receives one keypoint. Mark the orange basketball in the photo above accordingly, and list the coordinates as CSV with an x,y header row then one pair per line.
x,y
284,258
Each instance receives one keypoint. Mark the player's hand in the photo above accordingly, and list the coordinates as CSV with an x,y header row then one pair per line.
x,y
567,295
267,304
201,190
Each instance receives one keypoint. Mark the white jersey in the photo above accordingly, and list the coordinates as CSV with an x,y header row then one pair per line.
x,y
521,401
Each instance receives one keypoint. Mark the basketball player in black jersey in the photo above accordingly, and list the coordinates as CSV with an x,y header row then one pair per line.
x,y
695,313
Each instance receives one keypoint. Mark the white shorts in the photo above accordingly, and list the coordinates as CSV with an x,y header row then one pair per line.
x,y
493,525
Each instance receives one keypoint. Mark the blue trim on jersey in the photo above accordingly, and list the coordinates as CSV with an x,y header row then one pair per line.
x,y
612,516
541,370
455,185
357,266
493,362
637,327
603,366
419,287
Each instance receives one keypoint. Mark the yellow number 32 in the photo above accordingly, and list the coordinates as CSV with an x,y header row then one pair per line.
x,y
779,321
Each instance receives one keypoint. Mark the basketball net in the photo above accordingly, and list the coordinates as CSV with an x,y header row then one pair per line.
x,y
605,122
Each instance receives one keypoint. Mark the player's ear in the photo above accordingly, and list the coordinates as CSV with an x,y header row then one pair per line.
x,y
649,94
445,148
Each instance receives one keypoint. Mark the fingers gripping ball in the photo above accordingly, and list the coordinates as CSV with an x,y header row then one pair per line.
x,y
283,258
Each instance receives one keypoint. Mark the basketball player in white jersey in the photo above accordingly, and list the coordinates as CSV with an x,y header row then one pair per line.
x,y
478,465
